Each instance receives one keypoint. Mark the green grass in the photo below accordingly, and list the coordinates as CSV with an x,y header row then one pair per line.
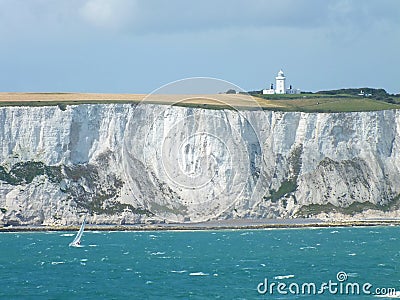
x,y
310,103
216,106
290,185
25,172
324,103
334,105
352,209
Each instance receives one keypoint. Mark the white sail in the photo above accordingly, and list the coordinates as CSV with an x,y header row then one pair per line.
x,y
77,240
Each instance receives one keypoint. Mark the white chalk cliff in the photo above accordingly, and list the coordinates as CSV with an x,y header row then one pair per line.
x,y
123,163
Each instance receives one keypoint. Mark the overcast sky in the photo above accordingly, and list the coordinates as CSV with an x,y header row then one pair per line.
x,y
136,46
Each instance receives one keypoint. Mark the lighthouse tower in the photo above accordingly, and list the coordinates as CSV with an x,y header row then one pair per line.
x,y
280,83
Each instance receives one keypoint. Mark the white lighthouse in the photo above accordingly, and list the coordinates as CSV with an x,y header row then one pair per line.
x,y
280,83
280,86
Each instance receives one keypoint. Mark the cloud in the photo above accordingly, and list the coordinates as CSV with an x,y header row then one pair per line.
x,y
37,18
108,14
174,16
182,16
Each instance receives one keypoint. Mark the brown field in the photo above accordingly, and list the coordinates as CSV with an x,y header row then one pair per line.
x,y
208,101
60,97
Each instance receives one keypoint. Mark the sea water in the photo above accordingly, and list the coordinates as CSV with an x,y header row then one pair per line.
x,y
223,264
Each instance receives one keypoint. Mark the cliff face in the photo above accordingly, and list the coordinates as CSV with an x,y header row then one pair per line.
x,y
129,163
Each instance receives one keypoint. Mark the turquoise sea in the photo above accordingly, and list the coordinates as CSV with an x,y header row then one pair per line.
x,y
226,264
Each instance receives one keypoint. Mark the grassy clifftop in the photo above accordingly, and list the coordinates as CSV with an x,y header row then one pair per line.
x,y
341,100
324,102
329,103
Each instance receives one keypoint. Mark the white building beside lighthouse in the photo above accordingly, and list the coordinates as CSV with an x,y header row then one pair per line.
x,y
280,86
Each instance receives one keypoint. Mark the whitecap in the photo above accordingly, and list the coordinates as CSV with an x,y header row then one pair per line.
x,y
157,253
334,231
149,282
352,254
57,262
247,268
279,277
307,247
248,260
179,272
198,274
93,245
67,234
84,259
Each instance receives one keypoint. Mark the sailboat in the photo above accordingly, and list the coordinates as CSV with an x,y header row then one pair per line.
x,y
77,240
